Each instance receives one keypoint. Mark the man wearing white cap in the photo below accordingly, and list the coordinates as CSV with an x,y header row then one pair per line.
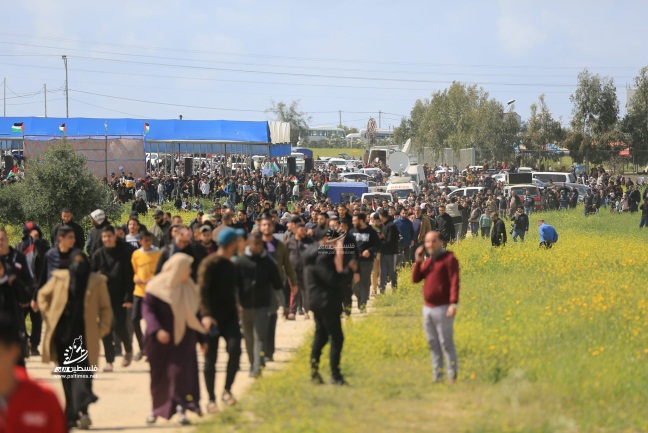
x,y
99,221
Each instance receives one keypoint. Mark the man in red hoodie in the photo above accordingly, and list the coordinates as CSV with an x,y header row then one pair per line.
x,y
440,270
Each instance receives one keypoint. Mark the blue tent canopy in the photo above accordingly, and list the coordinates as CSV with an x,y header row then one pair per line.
x,y
230,131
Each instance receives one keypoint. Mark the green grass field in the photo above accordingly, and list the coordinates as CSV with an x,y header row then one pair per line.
x,y
548,341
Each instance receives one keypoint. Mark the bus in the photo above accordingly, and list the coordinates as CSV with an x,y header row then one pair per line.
x,y
381,134
324,133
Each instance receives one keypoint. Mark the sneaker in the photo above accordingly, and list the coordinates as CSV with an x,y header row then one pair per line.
x,y
108,368
290,316
301,312
151,419
128,357
84,422
184,421
138,356
34,352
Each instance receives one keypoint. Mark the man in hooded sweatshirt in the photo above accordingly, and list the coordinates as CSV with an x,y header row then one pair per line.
x,y
113,260
259,278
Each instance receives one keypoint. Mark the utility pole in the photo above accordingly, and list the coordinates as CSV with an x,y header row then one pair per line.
x,y
379,119
4,99
45,94
67,110
340,118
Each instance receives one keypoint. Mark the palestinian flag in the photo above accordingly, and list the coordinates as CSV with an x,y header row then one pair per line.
x,y
62,128
293,179
310,183
147,128
325,188
274,167
18,127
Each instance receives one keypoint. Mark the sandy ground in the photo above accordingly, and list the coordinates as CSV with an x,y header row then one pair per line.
x,y
124,399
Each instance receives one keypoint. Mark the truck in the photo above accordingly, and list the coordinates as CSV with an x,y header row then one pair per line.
x,y
340,192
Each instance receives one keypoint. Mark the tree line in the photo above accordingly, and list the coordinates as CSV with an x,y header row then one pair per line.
x,y
464,116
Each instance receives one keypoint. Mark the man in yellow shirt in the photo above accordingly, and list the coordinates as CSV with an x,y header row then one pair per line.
x,y
144,261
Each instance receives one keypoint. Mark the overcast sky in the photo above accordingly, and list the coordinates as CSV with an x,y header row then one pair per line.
x,y
229,60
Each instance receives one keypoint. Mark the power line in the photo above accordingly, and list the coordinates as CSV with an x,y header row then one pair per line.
x,y
314,59
292,84
319,67
105,108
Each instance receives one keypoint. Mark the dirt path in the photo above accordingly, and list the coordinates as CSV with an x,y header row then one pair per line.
x,y
124,399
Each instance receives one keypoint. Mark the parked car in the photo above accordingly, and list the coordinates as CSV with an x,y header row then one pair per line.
x,y
520,190
470,191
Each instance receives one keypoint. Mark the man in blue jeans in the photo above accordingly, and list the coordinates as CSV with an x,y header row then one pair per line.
x,y
440,270
389,238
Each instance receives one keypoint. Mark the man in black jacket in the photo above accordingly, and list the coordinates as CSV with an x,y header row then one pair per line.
x,y
94,240
368,244
34,247
389,238
66,220
20,284
520,224
325,277
113,260
259,278
219,281
183,243
445,226
498,234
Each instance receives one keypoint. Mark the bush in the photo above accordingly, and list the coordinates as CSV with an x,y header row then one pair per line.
x,y
56,179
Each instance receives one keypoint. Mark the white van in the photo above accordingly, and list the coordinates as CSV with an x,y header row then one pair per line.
x,y
417,173
554,176
402,190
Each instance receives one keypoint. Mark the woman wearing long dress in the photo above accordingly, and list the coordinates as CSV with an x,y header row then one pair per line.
x,y
172,331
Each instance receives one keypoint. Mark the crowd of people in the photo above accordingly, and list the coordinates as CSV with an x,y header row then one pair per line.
x,y
259,251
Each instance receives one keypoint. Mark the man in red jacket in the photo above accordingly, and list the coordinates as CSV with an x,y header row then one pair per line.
x,y
25,405
440,270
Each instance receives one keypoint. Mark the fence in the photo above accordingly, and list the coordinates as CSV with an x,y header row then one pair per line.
x,y
104,155
461,159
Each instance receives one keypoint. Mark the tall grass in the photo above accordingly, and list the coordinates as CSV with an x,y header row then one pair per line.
x,y
548,340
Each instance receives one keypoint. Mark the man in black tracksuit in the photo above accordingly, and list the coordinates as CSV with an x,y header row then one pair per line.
x,y
368,245
445,226
113,260
498,235
219,282
389,238
325,278
66,221
259,278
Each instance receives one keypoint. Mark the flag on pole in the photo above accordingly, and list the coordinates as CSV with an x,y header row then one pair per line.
x,y
325,188
147,128
293,179
275,167
106,126
18,127
310,183
62,128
